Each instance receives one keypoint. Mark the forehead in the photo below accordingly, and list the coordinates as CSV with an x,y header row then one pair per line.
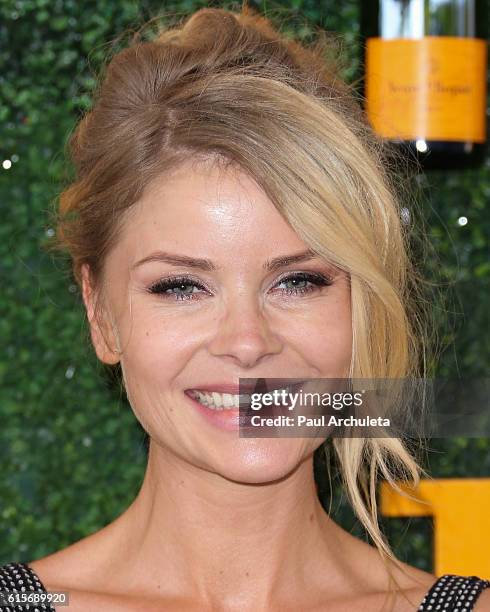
x,y
207,206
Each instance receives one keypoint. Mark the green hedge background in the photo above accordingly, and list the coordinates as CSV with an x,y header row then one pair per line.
x,y
72,455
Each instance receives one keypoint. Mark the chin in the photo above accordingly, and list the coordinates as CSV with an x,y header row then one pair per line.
x,y
264,460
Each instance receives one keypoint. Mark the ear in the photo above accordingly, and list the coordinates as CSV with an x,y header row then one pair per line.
x,y
101,331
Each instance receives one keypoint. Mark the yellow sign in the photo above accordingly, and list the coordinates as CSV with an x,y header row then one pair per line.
x,y
460,508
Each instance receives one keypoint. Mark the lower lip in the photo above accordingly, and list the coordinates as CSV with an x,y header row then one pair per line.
x,y
227,419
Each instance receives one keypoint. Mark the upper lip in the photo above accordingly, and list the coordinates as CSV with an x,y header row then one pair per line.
x,y
248,387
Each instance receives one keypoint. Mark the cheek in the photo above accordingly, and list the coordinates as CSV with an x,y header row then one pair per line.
x,y
151,361
157,345
328,341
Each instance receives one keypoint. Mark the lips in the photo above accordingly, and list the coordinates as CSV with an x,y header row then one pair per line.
x,y
216,400
233,418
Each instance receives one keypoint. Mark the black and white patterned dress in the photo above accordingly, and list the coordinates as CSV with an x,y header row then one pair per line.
x,y
449,593
19,577
453,592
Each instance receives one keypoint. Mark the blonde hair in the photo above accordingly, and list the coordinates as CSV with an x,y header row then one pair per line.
x,y
227,86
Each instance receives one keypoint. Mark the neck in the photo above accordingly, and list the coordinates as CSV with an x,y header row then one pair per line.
x,y
239,544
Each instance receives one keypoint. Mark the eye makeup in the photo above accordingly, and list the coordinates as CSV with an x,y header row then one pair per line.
x,y
301,284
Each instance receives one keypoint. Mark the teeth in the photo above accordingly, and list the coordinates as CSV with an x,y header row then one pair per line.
x,y
223,401
220,401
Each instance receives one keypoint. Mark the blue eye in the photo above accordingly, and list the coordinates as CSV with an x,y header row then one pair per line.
x,y
305,282
176,286
183,287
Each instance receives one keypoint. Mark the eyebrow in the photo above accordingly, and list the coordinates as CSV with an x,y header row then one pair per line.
x,y
207,265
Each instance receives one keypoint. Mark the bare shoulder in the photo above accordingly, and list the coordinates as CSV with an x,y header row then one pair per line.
x,y
367,561
68,570
55,569
86,571
379,585
75,566
483,602
414,586
57,573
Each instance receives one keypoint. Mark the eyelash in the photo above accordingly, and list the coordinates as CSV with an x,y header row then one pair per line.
x,y
160,287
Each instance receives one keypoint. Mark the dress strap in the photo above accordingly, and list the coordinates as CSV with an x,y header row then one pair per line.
x,y
453,592
19,577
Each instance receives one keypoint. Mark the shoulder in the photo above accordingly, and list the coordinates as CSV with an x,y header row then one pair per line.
x,y
417,588
483,602
83,565
414,586
385,582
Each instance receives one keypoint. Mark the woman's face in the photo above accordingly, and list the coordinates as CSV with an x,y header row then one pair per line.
x,y
226,318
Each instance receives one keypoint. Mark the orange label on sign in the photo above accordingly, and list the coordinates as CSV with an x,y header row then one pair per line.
x,y
432,88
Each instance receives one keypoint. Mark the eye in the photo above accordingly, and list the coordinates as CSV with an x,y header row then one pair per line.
x,y
301,283
185,288
177,287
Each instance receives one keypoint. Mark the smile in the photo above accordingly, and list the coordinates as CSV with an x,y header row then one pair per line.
x,y
219,401
228,401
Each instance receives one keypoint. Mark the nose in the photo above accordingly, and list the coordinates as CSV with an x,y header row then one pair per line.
x,y
244,334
